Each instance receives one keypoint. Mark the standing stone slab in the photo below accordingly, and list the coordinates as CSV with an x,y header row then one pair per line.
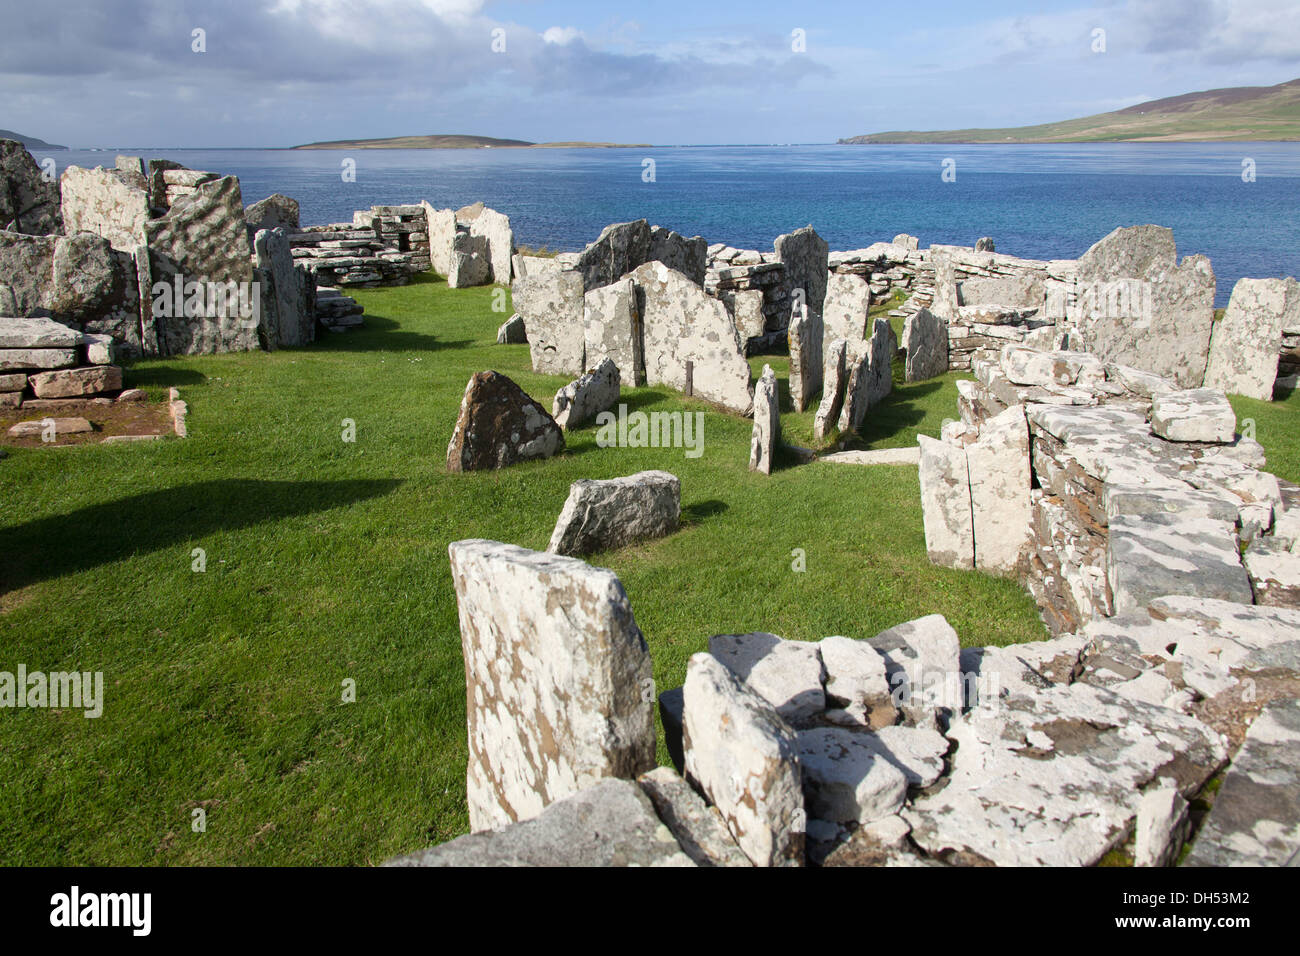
x,y
1161,827
583,399
293,323
787,674
848,300
494,227
620,248
1139,307
1255,819
471,262
612,823
946,504
442,237
690,256
805,339
108,203
922,662
766,436
512,331
1000,476
1197,414
834,383
805,256
925,337
551,304
872,377
611,321
558,681
600,515
1246,341
745,759
28,204
499,425
683,324
276,211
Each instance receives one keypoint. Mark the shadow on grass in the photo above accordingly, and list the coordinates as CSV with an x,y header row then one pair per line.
x,y
381,334
172,517
164,376
701,511
894,414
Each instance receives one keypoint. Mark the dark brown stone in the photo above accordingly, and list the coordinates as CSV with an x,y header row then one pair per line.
x,y
499,425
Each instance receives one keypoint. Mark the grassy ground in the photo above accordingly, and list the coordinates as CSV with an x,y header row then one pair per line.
x,y
326,562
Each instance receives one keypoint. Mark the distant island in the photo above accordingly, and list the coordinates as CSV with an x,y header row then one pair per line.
x,y
31,142
1236,113
456,141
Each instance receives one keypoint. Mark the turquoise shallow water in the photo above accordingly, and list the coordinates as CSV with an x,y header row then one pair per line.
x,y
1036,201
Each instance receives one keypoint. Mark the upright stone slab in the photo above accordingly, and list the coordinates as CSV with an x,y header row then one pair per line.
x,y
499,426
557,679
442,237
946,504
690,256
203,238
805,339
495,228
682,324
1139,307
745,760
611,321
848,300
1000,476
551,304
925,337
276,211
28,204
471,262
1246,341
805,256
106,202
619,249
834,382
582,400
871,378
766,436
289,319
601,515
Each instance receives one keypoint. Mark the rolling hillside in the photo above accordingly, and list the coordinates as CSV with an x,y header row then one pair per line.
x,y
1236,113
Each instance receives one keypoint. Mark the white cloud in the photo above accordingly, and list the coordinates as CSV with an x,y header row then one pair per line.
x,y
561,36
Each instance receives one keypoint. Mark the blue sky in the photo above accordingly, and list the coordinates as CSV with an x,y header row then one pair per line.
x,y
281,72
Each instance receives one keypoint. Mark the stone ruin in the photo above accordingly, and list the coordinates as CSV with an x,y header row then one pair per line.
x,y
900,750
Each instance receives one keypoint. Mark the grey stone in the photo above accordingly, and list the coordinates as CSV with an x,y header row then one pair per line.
x,y
687,256
805,340
276,211
834,382
494,227
871,378
946,504
745,759
1149,556
1161,827
471,262
848,300
1274,570
845,780
1140,308
1245,344
612,823
558,679
583,399
76,382
923,663
551,304
611,329
28,203
513,331
787,674
499,425
804,255
442,237
984,244
766,434
1199,414
36,358
998,467
619,249
925,337
600,515
1255,819
37,333
697,827
683,324
288,321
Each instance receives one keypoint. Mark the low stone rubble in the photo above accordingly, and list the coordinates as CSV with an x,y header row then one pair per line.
x,y
44,359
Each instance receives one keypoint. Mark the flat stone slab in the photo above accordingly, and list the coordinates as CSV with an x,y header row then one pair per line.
x,y
1054,778
876,456
1150,556
37,333
62,426
1274,572
1255,819
610,824
845,779
37,358
1196,414
77,382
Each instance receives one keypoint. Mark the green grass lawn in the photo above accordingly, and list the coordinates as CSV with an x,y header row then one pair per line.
x,y
326,561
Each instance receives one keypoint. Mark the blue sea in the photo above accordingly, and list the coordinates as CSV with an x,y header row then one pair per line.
x,y
1040,201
